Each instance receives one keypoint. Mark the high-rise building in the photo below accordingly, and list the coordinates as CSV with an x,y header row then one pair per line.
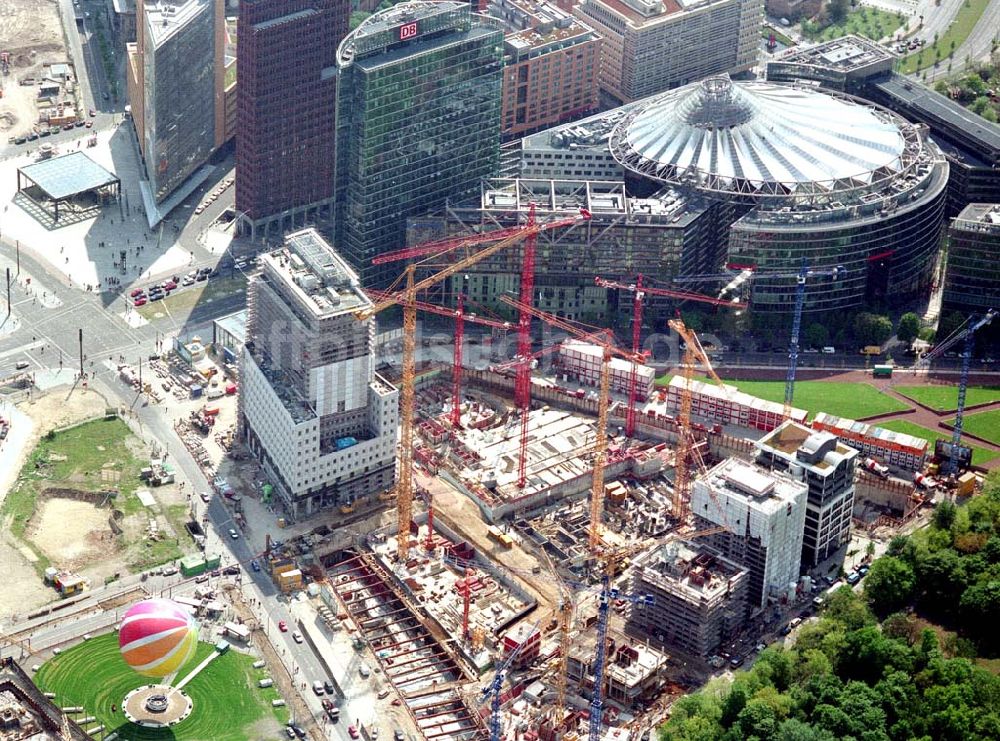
x,y
699,596
654,45
418,121
313,411
661,236
550,66
763,514
972,281
827,467
286,103
176,91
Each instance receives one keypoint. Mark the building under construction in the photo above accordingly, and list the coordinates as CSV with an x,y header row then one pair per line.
x,y
700,597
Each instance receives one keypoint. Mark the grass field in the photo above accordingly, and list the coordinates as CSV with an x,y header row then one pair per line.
x,y
187,298
945,398
951,40
872,23
851,400
979,455
87,457
228,704
984,424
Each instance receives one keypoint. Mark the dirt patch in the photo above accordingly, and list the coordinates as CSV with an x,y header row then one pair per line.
x,y
71,533
23,591
32,32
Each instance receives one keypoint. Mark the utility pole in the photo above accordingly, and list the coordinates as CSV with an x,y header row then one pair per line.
x,y
140,373
8,292
81,351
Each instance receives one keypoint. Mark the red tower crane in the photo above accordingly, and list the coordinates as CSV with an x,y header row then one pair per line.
x,y
604,397
640,291
461,317
406,298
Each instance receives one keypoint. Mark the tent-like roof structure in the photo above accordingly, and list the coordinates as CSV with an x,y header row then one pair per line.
x,y
763,139
68,175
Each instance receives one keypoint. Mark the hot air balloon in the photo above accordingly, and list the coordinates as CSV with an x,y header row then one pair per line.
x,y
157,637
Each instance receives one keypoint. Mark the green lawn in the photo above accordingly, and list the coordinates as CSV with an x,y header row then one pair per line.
x,y
984,424
959,30
86,457
186,299
872,23
945,398
228,704
95,456
979,455
851,400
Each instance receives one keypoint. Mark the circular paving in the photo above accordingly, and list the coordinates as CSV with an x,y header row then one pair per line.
x,y
156,706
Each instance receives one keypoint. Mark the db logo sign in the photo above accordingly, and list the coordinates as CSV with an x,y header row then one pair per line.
x,y
407,31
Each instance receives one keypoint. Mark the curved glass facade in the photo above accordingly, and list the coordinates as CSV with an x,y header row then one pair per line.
x,y
887,253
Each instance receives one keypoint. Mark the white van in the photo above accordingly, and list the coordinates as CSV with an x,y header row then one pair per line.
x,y
215,391
826,351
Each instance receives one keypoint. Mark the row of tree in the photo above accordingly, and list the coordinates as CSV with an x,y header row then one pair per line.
x,y
849,677
949,572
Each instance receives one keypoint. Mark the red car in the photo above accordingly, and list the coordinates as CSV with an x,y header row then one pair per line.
x,y
169,285
137,292
140,301
282,626
352,731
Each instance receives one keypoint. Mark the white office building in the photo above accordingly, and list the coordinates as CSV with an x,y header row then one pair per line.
x,y
827,467
312,410
763,515
654,45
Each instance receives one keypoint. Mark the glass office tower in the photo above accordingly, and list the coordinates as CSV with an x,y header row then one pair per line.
x,y
418,122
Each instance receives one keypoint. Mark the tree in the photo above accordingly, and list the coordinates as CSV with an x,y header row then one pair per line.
x,y
944,515
816,335
837,10
980,609
889,585
872,329
357,18
909,326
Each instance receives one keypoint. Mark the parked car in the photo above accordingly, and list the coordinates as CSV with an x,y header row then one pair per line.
x,y
352,731
231,570
853,578
318,688
233,534
297,637
282,626
255,565
137,292
206,496
328,686
93,112
141,301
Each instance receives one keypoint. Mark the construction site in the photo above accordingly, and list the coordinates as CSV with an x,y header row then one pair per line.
x,y
569,552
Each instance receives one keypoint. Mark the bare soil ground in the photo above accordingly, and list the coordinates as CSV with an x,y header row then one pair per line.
x,y
22,589
71,533
31,31
464,517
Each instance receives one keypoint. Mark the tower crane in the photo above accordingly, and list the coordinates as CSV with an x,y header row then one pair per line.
x,y
967,333
406,298
461,317
800,299
493,690
639,293
693,352
604,397
801,276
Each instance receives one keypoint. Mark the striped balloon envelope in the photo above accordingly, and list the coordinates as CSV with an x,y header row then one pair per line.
x,y
157,637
